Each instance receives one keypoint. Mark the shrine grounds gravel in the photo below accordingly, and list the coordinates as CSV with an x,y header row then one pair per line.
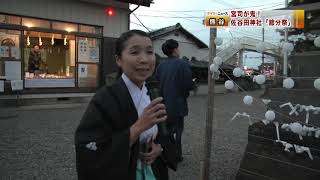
x,y
36,142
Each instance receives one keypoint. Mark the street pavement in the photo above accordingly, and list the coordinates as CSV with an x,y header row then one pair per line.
x,y
36,142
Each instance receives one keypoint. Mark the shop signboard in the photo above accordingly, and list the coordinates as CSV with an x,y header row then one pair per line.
x,y
4,51
83,70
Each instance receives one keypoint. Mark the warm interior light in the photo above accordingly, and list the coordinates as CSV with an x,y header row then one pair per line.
x,y
65,41
40,41
68,29
29,25
28,41
52,40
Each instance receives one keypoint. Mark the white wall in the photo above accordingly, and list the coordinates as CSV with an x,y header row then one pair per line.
x,y
72,11
187,47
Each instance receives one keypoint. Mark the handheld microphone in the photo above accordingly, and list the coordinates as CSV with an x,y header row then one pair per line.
x,y
153,87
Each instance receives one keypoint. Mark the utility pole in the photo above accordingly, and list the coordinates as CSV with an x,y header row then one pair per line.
x,y
285,54
210,123
263,42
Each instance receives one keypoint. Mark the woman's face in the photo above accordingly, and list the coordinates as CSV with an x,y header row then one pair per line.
x,y
137,59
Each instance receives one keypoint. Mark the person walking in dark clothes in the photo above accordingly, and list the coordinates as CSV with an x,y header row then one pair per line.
x,y
175,78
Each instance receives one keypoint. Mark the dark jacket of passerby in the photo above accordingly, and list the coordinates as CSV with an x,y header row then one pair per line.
x,y
175,78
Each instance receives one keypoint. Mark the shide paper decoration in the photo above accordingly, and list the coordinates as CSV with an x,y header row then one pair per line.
x,y
244,115
300,108
298,149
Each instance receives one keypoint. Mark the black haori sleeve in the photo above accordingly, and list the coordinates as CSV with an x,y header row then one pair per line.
x,y
102,151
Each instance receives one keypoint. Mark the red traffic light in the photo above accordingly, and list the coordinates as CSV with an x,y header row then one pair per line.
x,y
109,11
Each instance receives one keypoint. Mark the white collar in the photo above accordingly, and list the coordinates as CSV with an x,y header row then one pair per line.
x,y
134,90
140,100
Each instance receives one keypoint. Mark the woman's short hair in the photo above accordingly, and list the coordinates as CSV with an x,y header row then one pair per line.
x,y
122,40
169,46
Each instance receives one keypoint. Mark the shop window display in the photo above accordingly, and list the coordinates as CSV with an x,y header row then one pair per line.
x,y
10,57
49,60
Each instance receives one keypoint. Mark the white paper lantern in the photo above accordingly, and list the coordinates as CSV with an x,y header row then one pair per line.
x,y
214,68
260,79
260,47
218,41
317,41
217,60
316,84
288,83
270,115
229,84
247,100
296,128
287,47
237,72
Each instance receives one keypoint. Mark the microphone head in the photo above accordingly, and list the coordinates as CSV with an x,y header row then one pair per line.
x,y
153,86
152,83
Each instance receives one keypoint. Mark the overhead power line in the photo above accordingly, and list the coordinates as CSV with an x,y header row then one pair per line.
x,y
203,10
141,22
192,17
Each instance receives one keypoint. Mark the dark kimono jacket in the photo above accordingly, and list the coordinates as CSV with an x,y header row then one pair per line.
x,y
107,122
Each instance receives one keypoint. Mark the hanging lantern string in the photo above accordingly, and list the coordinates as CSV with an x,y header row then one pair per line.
x,y
255,98
312,78
291,119
260,119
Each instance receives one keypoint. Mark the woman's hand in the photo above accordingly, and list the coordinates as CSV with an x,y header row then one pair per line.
x,y
154,113
150,157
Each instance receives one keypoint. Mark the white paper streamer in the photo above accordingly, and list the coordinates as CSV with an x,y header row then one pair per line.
x,y
242,114
298,149
266,101
277,130
302,149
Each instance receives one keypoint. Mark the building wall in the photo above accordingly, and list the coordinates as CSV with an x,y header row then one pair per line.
x,y
187,47
72,11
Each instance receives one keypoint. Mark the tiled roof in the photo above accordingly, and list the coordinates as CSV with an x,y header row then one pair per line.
x,y
177,28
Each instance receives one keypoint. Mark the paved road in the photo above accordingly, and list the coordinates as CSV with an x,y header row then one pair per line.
x,y
36,142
